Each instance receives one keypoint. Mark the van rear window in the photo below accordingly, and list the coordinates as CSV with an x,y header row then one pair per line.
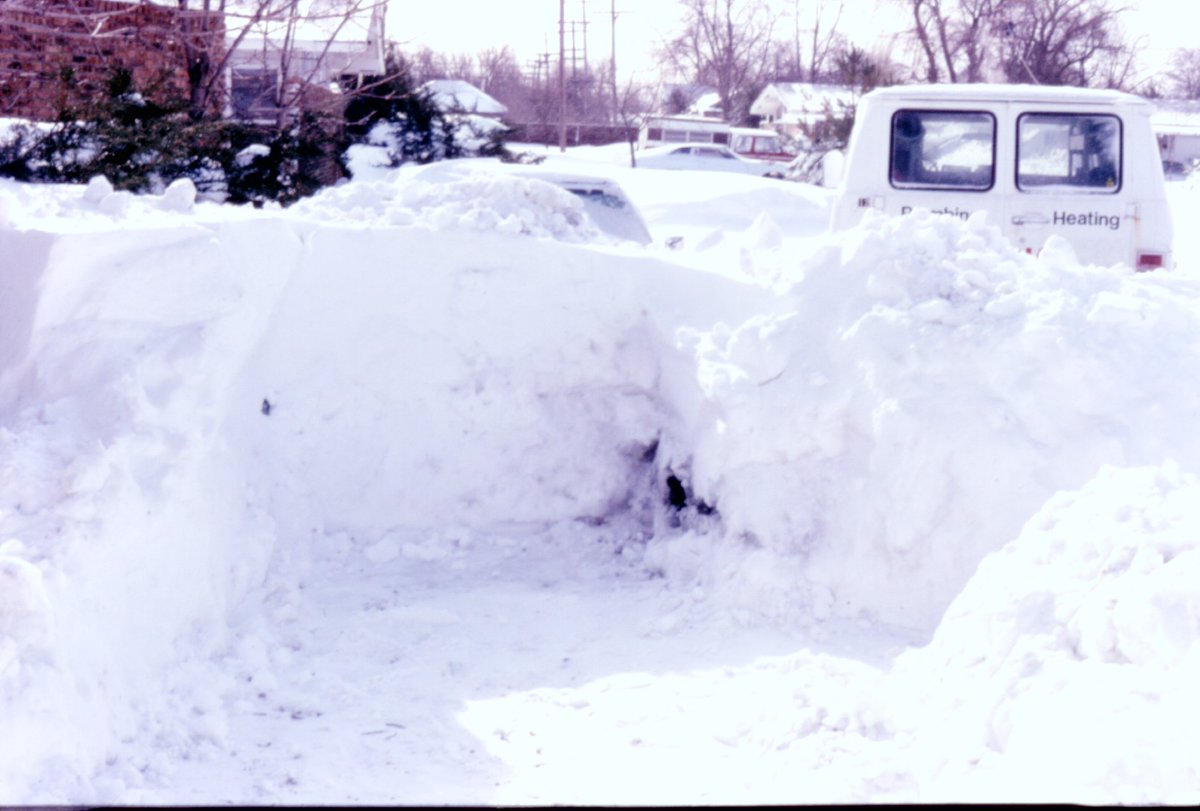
x,y
943,149
1069,152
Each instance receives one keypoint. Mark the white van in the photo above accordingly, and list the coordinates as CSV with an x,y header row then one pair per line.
x,y
1080,163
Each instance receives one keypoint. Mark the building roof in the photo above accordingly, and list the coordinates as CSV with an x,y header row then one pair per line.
x,y
457,96
707,104
803,98
1176,117
342,38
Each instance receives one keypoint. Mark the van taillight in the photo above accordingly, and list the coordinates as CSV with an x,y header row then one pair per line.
x,y
1149,261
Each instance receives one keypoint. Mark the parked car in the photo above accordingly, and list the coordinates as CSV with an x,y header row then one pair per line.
x,y
710,157
1074,162
765,145
1176,170
605,202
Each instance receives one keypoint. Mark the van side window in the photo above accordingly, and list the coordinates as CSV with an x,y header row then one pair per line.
x,y
941,149
1073,152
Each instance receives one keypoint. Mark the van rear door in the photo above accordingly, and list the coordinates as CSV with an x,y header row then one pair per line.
x,y
943,160
1068,180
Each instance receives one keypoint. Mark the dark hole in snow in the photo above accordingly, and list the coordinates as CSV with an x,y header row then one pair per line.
x,y
676,495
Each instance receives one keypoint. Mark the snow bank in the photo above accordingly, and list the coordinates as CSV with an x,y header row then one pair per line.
x,y
202,405
927,389
1065,671
189,395
475,383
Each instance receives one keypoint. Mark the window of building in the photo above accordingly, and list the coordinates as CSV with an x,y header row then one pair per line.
x,y
943,149
254,92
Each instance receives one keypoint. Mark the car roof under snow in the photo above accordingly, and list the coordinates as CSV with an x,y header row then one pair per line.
x,y
1007,93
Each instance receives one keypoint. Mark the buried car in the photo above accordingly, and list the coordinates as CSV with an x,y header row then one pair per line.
x,y
604,201
704,157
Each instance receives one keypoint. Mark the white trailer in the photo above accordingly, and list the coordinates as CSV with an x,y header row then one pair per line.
x,y
659,130
1080,163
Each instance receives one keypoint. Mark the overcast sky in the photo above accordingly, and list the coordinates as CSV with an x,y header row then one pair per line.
x,y
530,27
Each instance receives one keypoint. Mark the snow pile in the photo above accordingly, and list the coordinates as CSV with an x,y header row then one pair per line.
x,y
1066,669
207,415
115,366
800,728
448,391
184,402
926,391
481,202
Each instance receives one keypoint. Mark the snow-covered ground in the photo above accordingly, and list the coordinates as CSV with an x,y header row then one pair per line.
x,y
368,501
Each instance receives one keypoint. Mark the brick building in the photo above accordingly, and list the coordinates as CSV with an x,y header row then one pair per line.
x,y
56,52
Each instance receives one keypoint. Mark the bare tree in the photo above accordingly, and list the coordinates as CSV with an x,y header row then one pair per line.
x,y
974,34
954,36
632,103
929,26
1072,42
1184,73
306,44
725,44
426,64
1060,42
815,25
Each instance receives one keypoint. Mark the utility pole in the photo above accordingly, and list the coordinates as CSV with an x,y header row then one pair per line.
x,y
587,76
562,76
584,24
616,104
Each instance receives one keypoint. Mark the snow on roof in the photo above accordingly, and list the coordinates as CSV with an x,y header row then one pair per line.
x,y
705,104
688,120
1176,117
457,96
803,97
1007,92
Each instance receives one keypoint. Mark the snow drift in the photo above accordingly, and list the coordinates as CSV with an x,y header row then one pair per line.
x,y
924,392
197,403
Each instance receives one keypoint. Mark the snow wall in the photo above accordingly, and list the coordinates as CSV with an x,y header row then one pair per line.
x,y
191,400
925,390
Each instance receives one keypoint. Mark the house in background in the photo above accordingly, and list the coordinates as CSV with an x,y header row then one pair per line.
x,y
456,97
794,108
707,105
63,52
477,116
689,113
302,58
1176,124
